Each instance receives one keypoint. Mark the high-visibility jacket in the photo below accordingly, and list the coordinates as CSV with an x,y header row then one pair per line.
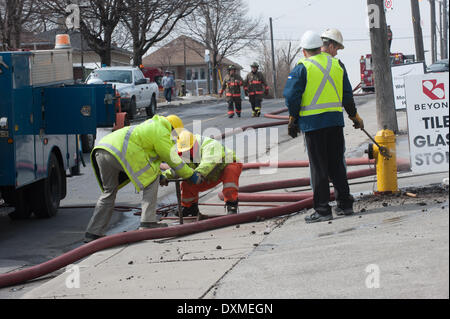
x,y
212,160
324,86
255,84
232,86
140,150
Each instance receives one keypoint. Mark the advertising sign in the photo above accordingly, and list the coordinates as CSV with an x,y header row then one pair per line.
x,y
428,121
398,75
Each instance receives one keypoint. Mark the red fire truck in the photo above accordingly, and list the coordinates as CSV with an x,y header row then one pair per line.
x,y
367,81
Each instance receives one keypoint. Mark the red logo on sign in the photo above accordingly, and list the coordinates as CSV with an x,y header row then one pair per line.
x,y
433,90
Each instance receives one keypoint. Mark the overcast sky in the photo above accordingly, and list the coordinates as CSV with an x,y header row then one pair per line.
x,y
291,18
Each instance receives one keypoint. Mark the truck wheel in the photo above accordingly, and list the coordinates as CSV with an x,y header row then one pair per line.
x,y
20,200
87,142
151,110
48,194
132,110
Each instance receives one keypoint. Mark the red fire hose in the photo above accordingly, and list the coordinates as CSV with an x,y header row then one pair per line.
x,y
72,256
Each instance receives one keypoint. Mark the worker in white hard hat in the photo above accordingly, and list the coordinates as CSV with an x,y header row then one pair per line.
x,y
316,92
332,41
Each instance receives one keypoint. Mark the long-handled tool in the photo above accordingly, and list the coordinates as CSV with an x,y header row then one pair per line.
x,y
178,191
383,150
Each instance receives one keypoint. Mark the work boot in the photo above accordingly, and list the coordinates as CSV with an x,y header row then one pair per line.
x,y
253,114
238,114
343,211
344,207
231,115
232,208
258,113
88,237
316,217
150,225
190,211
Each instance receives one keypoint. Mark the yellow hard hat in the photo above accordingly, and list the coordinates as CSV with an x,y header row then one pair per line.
x,y
186,141
176,122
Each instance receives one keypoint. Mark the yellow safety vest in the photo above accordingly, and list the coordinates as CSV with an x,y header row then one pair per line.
x,y
140,150
324,85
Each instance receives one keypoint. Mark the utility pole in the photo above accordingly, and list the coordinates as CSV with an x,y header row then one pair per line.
x,y
441,31
418,37
386,114
185,71
433,30
445,28
273,62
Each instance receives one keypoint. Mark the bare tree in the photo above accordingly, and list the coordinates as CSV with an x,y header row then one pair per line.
x,y
98,21
285,58
151,21
224,29
13,15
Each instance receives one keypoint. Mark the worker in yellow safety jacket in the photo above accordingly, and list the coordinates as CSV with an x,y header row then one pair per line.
x,y
134,154
214,163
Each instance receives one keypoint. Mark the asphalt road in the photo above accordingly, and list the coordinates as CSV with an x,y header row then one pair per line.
x,y
30,242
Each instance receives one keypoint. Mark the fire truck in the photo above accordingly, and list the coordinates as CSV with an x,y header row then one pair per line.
x,y
367,80
42,113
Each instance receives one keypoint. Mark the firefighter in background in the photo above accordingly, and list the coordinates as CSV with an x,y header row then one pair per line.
x,y
214,163
255,86
232,84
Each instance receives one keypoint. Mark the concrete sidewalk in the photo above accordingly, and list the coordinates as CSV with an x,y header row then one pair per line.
x,y
394,247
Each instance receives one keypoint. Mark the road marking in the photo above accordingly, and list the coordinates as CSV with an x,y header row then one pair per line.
x,y
213,118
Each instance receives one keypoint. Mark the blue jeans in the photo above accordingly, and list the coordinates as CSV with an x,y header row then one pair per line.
x,y
168,94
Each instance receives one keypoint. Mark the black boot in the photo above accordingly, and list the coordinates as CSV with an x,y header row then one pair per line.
x,y
190,211
232,207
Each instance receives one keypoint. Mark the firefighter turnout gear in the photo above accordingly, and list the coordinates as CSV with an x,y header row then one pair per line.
x,y
231,85
216,164
255,87
133,153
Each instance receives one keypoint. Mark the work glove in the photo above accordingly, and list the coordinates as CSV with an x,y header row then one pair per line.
x,y
163,181
293,127
196,178
357,121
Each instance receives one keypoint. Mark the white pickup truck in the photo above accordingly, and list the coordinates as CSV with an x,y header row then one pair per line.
x,y
136,91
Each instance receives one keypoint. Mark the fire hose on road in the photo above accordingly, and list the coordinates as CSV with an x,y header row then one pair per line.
x,y
301,201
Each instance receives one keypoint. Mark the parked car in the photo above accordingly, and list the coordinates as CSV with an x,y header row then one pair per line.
x,y
438,66
136,91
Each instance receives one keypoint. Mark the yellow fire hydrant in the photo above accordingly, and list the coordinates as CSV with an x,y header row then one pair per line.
x,y
386,161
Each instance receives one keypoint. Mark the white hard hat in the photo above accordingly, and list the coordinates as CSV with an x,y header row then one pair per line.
x,y
335,35
311,40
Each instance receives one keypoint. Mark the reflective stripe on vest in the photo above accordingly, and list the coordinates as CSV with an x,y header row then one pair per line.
x,y
313,108
122,156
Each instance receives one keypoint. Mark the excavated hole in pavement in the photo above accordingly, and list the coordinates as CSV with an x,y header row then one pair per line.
x,y
436,194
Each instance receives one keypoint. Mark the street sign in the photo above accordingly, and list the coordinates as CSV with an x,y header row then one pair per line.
x,y
399,72
428,121
388,5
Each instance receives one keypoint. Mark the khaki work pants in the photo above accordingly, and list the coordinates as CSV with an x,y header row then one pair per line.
x,y
109,171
